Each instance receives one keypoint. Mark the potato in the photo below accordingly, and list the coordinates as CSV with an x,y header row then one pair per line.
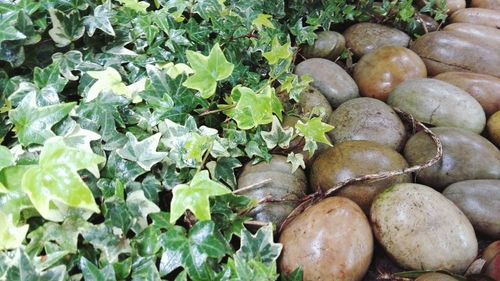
x,y
328,45
480,202
331,240
312,99
466,156
491,251
363,38
422,230
481,33
492,268
282,185
493,128
351,159
439,103
367,119
380,71
486,4
484,88
477,16
435,276
447,51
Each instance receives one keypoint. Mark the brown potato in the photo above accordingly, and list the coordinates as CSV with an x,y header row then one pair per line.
x,y
311,99
328,45
480,202
380,71
486,4
331,240
282,184
363,38
422,230
484,88
466,156
477,16
435,276
492,268
491,251
351,159
493,128
447,51
480,33
367,119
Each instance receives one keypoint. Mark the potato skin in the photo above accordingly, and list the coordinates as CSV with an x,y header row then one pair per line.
x,y
477,16
435,276
331,240
422,230
486,4
481,33
446,51
493,128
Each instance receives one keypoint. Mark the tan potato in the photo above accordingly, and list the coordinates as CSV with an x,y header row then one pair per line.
x,y
422,230
350,159
466,156
439,103
493,128
447,51
480,202
484,88
435,276
331,240
382,70
477,16
367,119
328,45
281,184
486,4
491,251
311,99
479,33
363,38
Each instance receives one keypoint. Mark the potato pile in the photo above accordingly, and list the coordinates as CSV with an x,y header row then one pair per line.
x,y
448,79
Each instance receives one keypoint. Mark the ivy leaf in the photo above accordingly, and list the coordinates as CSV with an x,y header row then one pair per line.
x,y
7,29
142,152
11,235
111,80
140,207
297,160
262,20
251,109
110,243
277,136
81,138
304,34
33,123
100,20
92,273
55,179
18,266
207,70
66,27
195,197
314,129
191,251
278,52
135,5
6,158
224,170
49,77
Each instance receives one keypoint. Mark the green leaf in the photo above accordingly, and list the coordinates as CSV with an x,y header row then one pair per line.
x,y
224,170
49,77
195,197
135,5
20,267
140,207
107,241
7,29
111,80
100,19
251,109
142,152
277,136
55,180
11,236
314,129
6,158
262,20
33,123
93,273
192,251
66,27
304,34
207,70
278,52
297,160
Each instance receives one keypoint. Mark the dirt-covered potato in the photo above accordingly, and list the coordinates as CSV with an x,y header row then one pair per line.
x,y
380,71
277,182
480,202
466,156
351,159
477,16
447,51
484,88
439,103
311,99
328,45
481,33
331,240
367,119
422,230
